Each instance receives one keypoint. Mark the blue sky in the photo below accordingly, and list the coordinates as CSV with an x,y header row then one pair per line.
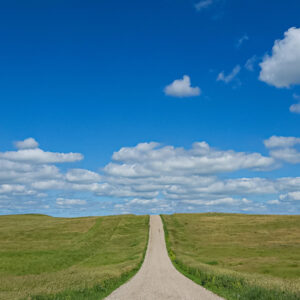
x,y
98,77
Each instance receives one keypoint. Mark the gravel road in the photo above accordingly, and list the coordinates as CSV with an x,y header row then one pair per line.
x,y
158,279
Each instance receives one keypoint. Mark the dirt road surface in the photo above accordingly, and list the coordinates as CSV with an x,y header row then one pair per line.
x,y
158,279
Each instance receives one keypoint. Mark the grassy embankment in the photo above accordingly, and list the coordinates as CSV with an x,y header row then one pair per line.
x,y
42,257
237,256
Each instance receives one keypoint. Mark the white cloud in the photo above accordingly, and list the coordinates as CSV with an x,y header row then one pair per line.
x,y
16,190
144,206
149,170
284,148
246,201
242,40
293,196
29,174
282,68
290,155
276,202
29,143
70,202
9,188
151,178
281,141
199,160
203,4
142,201
230,76
249,65
82,176
226,201
222,201
288,183
229,187
38,156
50,184
295,108
182,88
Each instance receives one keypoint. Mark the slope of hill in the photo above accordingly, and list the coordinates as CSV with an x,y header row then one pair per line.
x,y
238,256
68,257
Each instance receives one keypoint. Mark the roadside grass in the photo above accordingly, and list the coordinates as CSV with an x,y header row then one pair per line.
x,y
42,257
237,256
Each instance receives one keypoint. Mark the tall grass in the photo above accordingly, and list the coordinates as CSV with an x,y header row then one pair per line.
x,y
227,283
80,258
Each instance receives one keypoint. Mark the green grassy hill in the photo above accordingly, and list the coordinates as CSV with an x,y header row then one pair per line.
x,y
74,258
238,256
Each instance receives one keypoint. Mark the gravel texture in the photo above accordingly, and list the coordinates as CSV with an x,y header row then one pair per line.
x,y
158,279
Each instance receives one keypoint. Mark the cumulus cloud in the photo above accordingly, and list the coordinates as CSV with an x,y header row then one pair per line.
x,y
189,176
182,88
222,201
203,4
69,202
142,201
29,143
282,68
281,141
149,170
151,177
228,78
293,196
38,156
290,155
282,148
29,170
201,159
82,176
222,188
15,189
49,184
140,205
288,183
276,202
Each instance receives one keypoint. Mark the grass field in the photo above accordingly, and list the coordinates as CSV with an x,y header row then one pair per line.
x,y
42,257
238,256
